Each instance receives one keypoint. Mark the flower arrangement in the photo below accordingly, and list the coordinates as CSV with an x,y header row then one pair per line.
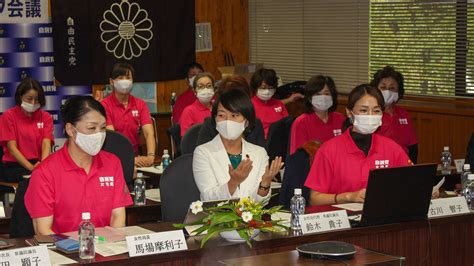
x,y
244,216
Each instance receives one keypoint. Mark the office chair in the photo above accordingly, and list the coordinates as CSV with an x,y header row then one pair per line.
x,y
119,145
189,140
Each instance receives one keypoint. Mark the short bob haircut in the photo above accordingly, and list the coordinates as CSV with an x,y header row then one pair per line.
x,y
360,91
203,75
190,66
315,85
234,82
26,85
389,72
266,75
76,107
122,69
236,101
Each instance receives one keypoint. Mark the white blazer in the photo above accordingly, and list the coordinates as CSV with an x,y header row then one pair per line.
x,y
211,171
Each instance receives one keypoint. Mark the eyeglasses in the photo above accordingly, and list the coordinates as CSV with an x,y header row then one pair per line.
x,y
202,86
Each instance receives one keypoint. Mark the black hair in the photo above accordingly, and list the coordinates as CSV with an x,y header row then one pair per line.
x,y
315,85
76,107
356,94
266,75
190,66
26,85
389,72
236,101
122,69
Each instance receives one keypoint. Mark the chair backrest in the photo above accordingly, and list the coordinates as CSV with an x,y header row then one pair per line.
x,y
21,224
189,140
174,133
155,131
279,138
178,189
119,145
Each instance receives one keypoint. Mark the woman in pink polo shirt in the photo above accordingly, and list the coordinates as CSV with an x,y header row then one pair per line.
x,y
320,122
128,114
267,109
340,171
396,121
26,131
80,177
203,86
187,97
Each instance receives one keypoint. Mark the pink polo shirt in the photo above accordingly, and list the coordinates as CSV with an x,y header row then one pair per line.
x,y
184,100
399,127
269,112
340,166
28,132
310,127
60,188
127,120
193,114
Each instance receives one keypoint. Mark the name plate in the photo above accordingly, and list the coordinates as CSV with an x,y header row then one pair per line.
x,y
37,255
447,206
156,243
324,221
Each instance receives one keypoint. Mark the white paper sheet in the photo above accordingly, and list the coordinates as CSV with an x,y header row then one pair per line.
x,y
58,259
111,249
132,231
436,188
107,232
350,206
153,194
151,169
275,185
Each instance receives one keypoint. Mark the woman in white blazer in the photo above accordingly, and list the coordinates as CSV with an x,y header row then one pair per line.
x,y
228,166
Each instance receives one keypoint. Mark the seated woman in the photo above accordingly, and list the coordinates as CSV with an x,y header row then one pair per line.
x,y
320,122
79,177
201,108
396,121
254,134
26,131
267,109
187,97
340,171
228,166
128,114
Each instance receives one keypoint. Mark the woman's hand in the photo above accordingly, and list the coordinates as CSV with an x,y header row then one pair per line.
x,y
272,171
239,174
357,196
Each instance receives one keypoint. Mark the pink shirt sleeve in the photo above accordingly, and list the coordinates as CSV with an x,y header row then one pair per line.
x,y
39,198
186,120
8,128
48,127
298,135
122,196
145,117
108,113
321,173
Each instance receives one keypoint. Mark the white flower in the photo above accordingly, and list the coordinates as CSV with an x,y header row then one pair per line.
x,y
196,207
247,216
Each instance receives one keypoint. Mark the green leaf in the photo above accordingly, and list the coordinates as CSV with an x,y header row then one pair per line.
x,y
220,218
214,231
244,233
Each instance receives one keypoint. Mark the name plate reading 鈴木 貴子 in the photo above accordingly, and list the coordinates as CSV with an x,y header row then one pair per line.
x,y
324,221
37,255
156,243
447,206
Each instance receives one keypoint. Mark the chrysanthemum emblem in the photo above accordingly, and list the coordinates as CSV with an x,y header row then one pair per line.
x,y
126,30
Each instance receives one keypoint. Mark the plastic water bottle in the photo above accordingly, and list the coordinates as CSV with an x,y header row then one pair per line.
x,y
469,193
173,100
446,160
165,159
297,206
466,171
139,188
86,237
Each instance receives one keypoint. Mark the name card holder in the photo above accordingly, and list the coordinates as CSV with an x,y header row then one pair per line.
x,y
447,206
324,222
156,243
37,255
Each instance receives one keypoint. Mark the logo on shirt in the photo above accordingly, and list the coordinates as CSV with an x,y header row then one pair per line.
x,y
40,125
381,164
278,109
135,113
337,132
106,181
403,121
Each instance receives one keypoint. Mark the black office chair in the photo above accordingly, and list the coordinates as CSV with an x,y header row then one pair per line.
x,y
178,189
174,133
21,224
278,139
119,145
189,140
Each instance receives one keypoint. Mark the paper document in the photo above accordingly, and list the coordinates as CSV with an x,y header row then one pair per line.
x,y
111,249
58,259
436,188
2,210
151,169
107,232
153,194
285,216
275,185
355,207
132,231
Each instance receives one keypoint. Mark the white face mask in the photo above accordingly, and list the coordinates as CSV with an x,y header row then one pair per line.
x,y
265,94
90,144
367,124
321,102
205,95
389,96
123,85
30,108
191,81
230,130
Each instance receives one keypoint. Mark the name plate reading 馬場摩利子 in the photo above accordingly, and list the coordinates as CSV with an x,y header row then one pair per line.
x,y
156,243
324,221
447,206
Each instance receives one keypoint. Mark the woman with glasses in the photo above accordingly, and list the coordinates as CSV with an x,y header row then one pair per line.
x,y
203,86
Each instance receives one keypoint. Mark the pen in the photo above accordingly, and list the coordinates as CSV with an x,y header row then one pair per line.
x,y
100,238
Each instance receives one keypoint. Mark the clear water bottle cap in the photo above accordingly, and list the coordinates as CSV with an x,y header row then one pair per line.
x,y
446,148
173,94
467,166
297,191
86,216
470,176
165,151
139,175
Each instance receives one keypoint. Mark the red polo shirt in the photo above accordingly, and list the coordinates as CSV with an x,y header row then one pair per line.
x,y
60,188
399,127
28,132
127,120
269,112
310,127
340,166
185,99
193,114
